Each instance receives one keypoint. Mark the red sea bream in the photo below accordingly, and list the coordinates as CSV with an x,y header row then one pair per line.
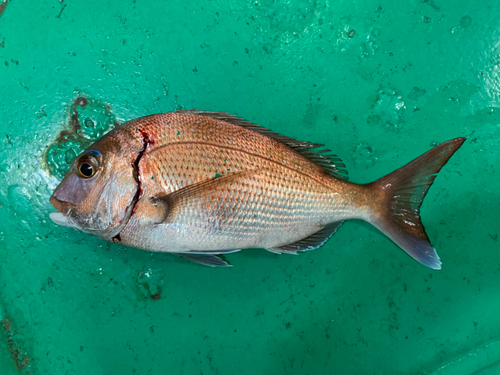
x,y
200,184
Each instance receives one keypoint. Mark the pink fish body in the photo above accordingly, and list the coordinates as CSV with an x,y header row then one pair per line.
x,y
199,184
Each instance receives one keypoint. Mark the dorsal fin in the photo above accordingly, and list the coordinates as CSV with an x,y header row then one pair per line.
x,y
312,242
331,163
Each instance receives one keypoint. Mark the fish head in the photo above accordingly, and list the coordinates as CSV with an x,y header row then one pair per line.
x,y
99,191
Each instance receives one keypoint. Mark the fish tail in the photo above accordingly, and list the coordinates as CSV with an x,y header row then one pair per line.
x,y
401,194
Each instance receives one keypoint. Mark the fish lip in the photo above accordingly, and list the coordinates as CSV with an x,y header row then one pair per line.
x,y
62,220
58,218
61,217
61,206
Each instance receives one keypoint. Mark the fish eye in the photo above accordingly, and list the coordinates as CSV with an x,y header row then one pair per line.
x,y
87,166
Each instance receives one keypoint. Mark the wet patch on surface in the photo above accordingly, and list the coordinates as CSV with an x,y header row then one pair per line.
x,y
364,155
388,108
150,284
89,119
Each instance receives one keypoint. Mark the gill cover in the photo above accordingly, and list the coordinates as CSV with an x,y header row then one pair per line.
x,y
99,191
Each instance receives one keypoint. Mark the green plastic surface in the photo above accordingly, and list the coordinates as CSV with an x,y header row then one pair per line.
x,y
379,82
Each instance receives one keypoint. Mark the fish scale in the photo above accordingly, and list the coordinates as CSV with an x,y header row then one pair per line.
x,y
188,129
266,210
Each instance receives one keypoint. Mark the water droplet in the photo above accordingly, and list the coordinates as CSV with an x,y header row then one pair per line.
x,y
416,93
364,155
69,155
388,109
89,123
465,21
81,101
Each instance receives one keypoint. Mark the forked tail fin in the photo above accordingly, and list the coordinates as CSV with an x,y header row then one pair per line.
x,y
403,191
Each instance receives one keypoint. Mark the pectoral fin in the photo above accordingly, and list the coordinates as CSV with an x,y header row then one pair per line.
x,y
151,211
201,192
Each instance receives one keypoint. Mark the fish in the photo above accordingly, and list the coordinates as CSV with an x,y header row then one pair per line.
x,y
202,184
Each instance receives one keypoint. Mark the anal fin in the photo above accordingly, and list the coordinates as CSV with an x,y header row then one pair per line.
x,y
309,243
209,260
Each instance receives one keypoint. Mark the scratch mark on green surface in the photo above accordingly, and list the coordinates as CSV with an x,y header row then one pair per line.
x,y
59,15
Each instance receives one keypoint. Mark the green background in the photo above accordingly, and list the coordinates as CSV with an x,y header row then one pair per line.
x,y
379,82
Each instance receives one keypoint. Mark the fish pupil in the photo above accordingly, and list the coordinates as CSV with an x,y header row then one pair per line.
x,y
86,170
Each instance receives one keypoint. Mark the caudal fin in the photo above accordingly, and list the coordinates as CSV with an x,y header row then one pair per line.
x,y
402,194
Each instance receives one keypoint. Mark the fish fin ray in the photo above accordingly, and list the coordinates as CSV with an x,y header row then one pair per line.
x,y
279,251
209,260
203,191
398,214
331,163
311,242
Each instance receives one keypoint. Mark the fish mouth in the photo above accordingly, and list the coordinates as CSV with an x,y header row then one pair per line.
x,y
61,206
61,218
